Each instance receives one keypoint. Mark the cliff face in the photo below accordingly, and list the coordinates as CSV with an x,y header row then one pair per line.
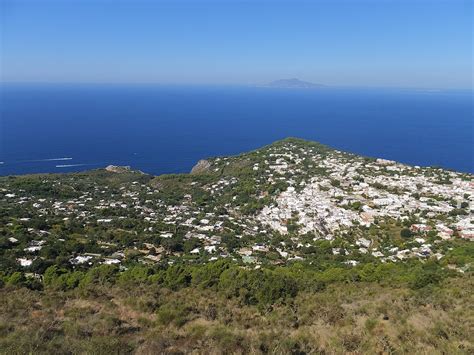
x,y
122,169
118,169
201,167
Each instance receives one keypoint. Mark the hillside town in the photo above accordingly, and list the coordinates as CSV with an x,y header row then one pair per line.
x,y
292,201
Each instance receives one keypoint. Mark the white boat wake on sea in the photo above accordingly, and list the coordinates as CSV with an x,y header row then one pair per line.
x,y
50,159
69,165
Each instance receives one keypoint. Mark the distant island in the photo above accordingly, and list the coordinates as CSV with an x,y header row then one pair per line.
x,y
292,84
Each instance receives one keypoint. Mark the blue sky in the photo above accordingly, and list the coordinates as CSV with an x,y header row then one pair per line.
x,y
402,43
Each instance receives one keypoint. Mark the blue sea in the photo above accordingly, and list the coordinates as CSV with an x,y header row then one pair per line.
x,y
167,129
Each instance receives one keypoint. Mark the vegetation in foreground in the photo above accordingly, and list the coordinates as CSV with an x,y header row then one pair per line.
x,y
221,307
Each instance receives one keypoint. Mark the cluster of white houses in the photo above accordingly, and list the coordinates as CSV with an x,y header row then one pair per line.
x,y
322,206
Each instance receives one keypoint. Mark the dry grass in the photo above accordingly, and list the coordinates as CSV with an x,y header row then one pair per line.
x,y
346,318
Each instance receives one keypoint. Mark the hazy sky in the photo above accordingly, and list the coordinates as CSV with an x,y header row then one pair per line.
x,y
407,43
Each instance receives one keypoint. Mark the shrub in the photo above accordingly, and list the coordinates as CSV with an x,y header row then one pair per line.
x,y
176,277
429,274
15,279
101,275
62,279
135,274
256,286
405,233
208,275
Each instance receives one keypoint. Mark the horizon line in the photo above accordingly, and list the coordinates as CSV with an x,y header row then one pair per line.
x,y
259,85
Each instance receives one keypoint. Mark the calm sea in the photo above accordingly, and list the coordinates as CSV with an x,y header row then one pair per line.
x,y
166,129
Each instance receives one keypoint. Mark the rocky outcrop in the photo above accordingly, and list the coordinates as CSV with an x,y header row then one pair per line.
x,y
118,169
201,167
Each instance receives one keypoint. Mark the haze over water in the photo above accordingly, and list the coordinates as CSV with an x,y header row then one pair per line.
x,y
167,129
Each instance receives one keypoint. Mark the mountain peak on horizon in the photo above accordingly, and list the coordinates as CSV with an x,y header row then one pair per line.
x,y
293,83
